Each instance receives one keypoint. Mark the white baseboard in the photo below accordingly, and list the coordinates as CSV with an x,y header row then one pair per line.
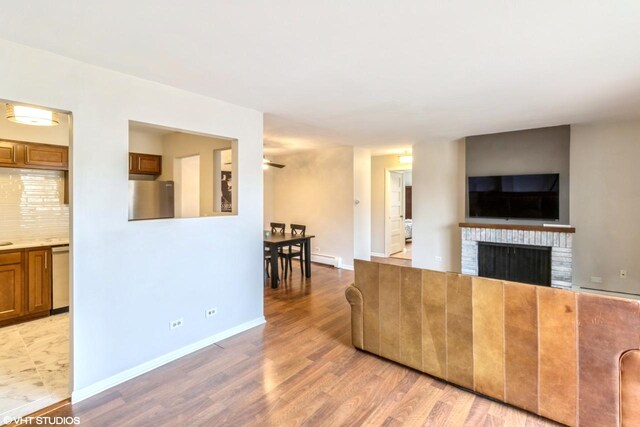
x,y
378,254
100,386
347,267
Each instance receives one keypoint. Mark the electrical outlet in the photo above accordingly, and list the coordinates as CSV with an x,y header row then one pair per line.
x,y
623,274
210,312
438,258
596,279
176,323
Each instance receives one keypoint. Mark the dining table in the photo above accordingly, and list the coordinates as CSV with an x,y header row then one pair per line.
x,y
275,241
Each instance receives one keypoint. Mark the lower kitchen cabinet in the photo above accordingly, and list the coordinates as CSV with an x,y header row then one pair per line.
x,y
39,280
11,286
25,285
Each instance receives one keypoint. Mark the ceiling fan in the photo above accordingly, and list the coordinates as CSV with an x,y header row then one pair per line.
x,y
268,163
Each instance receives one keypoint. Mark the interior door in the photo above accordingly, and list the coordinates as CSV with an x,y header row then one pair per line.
x,y
394,223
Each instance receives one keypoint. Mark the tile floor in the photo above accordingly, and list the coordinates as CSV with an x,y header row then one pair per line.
x,y
34,365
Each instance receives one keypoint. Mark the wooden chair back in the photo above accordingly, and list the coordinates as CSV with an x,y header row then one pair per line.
x,y
298,229
278,227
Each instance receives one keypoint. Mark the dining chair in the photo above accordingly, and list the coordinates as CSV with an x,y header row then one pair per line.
x,y
267,262
293,251
276,228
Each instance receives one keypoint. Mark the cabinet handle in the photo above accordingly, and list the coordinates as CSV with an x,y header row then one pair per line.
x,y
46,261
130,163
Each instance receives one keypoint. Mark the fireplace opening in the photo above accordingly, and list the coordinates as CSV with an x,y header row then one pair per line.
x,y
518,263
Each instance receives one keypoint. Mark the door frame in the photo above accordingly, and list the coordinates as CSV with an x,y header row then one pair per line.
x,y
387,189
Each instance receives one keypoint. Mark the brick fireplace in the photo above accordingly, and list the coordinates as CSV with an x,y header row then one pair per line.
x,y
558,239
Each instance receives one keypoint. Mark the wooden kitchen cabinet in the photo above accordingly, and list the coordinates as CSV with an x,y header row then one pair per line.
x,y
25,285
8,153
29,155
47,156
145,164
11,285
39,280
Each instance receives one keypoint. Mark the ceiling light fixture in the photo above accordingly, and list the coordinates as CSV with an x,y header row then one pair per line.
x,y
31,116
405,158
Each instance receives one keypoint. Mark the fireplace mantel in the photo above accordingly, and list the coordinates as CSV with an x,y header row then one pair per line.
x,y
556,229
559,239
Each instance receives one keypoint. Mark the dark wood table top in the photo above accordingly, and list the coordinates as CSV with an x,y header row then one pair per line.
x,y
284,238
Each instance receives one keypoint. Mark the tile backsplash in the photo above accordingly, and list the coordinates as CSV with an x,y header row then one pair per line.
x,y
31,205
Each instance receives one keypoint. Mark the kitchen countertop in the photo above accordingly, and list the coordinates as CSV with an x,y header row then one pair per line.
x,y
34,244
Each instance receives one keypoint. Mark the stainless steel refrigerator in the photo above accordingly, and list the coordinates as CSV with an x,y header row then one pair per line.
x,y
150,199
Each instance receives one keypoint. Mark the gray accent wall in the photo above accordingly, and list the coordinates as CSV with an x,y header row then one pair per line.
x,y
532,151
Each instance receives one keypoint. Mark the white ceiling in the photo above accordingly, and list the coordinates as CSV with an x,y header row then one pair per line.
x,y
366,72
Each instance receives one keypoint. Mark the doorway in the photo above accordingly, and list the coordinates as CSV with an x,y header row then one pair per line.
x,y
35,285
398,214
187,186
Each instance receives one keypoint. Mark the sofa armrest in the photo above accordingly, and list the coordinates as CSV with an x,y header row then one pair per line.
x,y
354,297
630,388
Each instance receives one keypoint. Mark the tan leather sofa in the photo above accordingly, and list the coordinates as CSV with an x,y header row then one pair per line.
x,y
570,357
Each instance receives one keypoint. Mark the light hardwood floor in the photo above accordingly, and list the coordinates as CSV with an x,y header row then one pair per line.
x,y
407,253
298,369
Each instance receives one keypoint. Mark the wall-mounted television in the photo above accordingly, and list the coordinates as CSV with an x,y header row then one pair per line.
x,y
535,197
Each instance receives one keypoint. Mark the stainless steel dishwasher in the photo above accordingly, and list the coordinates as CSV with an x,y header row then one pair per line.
x,y
60,289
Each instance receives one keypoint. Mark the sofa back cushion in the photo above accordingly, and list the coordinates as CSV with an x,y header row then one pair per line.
x,y
550,351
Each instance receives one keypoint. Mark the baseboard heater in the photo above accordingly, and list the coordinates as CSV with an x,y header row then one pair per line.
x,y
335,261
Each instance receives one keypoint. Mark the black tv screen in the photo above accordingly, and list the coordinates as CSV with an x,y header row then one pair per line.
x,y
515,196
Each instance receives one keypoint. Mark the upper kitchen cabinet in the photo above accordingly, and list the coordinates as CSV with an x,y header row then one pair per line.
x,y
29,155
46,156
145,164
8,153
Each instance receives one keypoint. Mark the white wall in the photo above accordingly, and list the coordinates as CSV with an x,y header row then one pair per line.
x,y
131,278
362,209
316,189
145,142
605,204
438,204
378,166
268,196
